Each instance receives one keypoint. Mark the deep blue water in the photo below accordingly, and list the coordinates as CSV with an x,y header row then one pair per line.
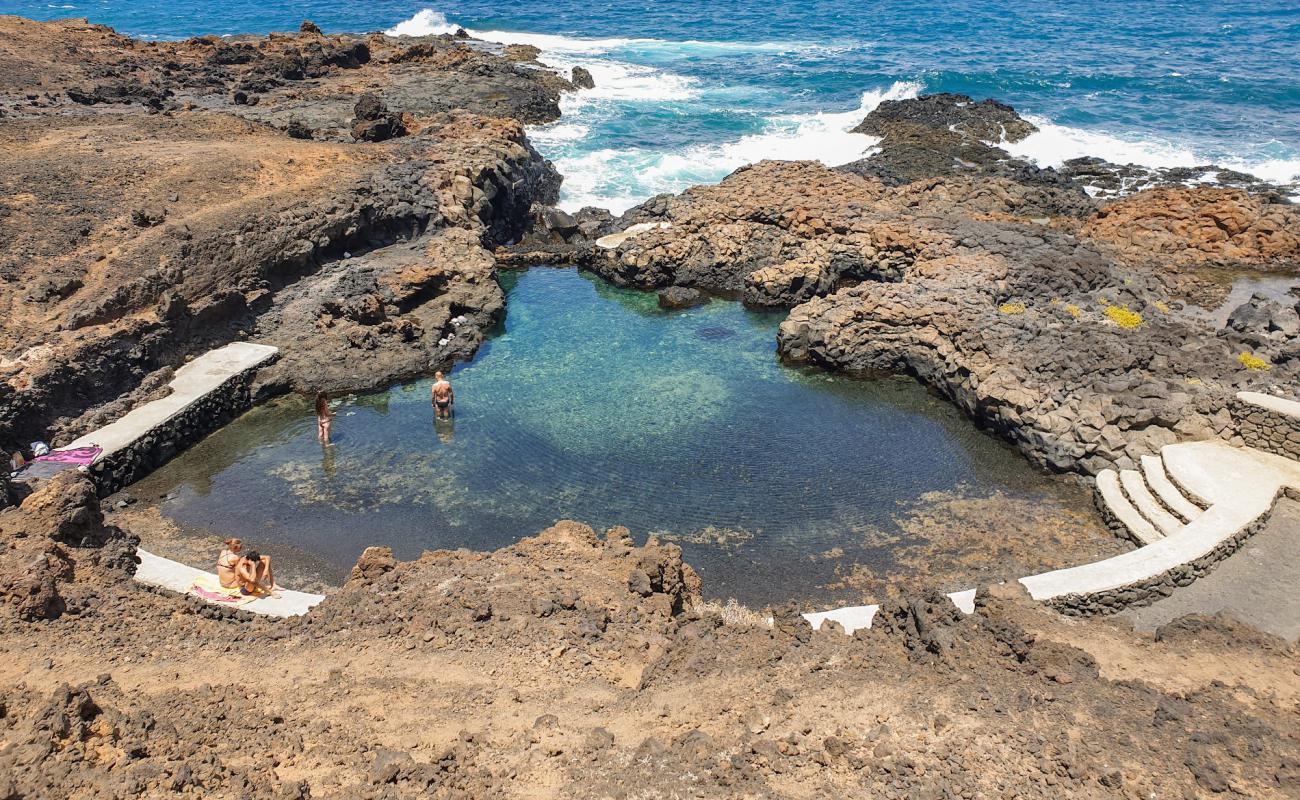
x,y
593,404
689,90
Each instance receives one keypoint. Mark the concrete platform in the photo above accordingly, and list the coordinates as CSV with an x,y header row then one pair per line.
x,y
167,574
613,240
1278,405
192,382
1253,585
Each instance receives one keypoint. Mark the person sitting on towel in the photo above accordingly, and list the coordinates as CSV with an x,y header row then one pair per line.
x,y
250,571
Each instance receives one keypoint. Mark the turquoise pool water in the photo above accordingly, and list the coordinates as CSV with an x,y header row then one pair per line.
x,y
593,404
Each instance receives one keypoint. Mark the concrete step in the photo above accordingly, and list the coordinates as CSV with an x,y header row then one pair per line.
x,y
1135,488
1153,469
1120,511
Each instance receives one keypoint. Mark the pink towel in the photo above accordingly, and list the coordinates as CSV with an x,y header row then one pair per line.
x,y
79,456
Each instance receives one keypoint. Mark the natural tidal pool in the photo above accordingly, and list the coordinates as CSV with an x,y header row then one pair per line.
x,y
591,403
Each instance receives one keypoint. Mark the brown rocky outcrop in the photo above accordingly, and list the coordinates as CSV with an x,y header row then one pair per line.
x,y
575,665
1204,226
57,534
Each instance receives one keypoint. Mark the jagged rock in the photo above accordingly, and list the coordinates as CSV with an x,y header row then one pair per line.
x,y
1200,226
297,129
310,27
944,135
521,52
374,122
557,221
582,78
985,120
373,563
1106,179
1264,315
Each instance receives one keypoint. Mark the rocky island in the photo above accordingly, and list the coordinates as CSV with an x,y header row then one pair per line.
x,y
350,201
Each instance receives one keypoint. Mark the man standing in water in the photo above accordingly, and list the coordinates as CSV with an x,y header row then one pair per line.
x,y
443,397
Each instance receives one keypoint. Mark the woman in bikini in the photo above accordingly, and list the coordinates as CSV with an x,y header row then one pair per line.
x,y
228,561
323,418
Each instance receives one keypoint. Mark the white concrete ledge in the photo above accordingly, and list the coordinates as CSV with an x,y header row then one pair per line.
x,y
167,574
191,383
1278,405
1195,541
613,240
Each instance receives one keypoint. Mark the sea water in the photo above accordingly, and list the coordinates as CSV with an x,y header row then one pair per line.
x,y
687,91
591,403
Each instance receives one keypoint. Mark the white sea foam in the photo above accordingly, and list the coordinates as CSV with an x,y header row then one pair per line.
x,y
619,179
429,22
425,23
1055,144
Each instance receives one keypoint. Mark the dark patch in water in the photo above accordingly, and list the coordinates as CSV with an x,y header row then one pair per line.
x,y
715,333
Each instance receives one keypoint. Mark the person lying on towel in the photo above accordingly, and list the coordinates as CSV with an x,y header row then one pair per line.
x,y
250,571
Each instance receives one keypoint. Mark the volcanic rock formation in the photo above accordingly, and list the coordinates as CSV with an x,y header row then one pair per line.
x,y
161,198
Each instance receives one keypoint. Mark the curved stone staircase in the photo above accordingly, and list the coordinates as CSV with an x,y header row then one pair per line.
x,y
1145,505
1187,508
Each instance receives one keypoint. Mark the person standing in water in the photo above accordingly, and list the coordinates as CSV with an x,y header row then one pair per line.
x,y
442,395
323,418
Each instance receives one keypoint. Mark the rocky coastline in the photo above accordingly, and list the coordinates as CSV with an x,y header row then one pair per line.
x,y
350,199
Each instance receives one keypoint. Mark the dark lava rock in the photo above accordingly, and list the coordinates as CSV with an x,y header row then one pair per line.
x,y
944,135
1262,315
308,26
120,92
681,297
374,122
148,216
557,221
582,78
986,120
1108,179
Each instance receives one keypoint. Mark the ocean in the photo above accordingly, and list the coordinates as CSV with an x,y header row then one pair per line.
x,y
687,91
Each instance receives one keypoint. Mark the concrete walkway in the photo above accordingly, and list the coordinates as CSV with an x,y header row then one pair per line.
x,y
192,382
1257,584
167,574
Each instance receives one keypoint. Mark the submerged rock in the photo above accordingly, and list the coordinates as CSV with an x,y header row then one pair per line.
x,y
675,297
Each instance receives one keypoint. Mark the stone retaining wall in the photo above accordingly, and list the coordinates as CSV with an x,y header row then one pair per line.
x,y
171,437
1267,430
1112,522
1160,586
